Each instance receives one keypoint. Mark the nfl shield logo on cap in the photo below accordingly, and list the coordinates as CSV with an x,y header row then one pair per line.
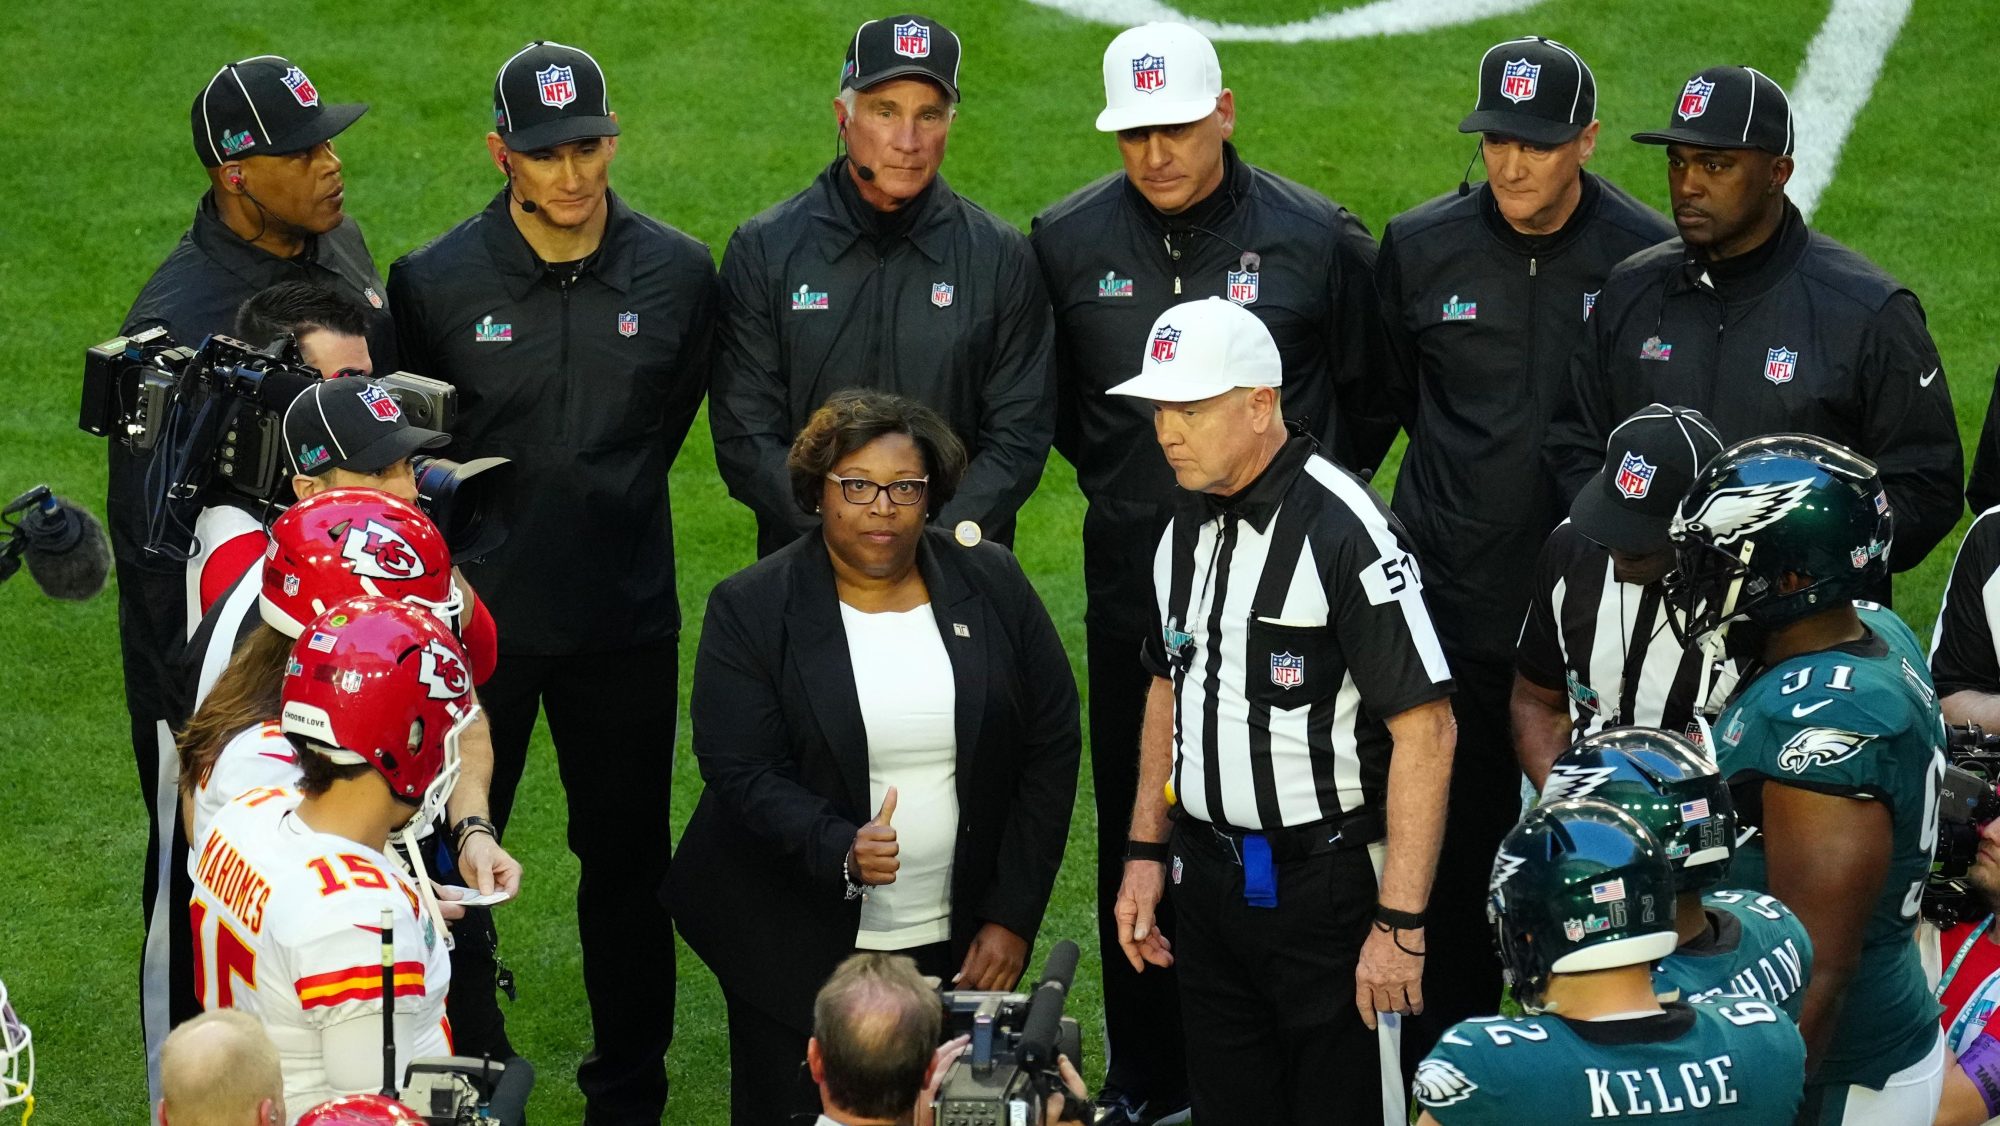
x,y
1288,671
1694,98
1518,80
1635,476
381,404
1165,343
941,294
301,87
1780,364
1149,73
558,85
913,40
628,324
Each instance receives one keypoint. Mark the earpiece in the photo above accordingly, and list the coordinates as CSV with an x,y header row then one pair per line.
x,y
235,180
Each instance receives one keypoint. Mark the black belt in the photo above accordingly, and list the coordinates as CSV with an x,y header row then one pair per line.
x,y
1296,842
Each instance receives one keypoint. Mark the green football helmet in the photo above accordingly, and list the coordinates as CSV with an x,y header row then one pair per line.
x,y
1772,506
1667,784
1578,885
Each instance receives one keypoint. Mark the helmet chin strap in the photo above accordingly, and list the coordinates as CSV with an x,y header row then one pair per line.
x,y
407,840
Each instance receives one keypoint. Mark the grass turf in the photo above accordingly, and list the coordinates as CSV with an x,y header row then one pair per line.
x,y
725,110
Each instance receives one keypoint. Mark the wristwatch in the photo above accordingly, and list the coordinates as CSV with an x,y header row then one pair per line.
x,y
854,890
469,825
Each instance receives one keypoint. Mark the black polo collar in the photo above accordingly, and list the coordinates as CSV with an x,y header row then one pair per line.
x,y
1257,502
246,260
1792,237
929,229
522,269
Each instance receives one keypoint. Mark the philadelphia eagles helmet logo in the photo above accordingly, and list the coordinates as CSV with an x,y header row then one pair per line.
x,y
1504,867
1439,1083
1820,746
1569,780
1734,513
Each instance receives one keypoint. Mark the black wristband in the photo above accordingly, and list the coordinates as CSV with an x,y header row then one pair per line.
x,y
469,825
1399,920
1155,851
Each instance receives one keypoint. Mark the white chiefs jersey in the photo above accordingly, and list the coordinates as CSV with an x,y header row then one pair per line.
x,y
255,758
287,927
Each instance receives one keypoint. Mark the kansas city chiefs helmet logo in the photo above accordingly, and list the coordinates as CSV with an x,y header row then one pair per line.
x,y
1820,746
1439,1083
442,672
374,550
1740,511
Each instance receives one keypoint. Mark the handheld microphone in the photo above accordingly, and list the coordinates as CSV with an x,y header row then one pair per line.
x,y
1465,181
1038,1030
63,546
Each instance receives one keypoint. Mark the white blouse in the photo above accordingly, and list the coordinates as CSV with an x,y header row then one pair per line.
x,y
908,707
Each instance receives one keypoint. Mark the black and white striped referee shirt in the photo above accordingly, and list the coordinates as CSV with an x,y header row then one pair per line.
x,y
1608,645
1291,623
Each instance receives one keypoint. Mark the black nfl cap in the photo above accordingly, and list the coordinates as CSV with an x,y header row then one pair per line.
x,y
263,106
1535,89
350,423
901,47
1650,462
1729,107
548,94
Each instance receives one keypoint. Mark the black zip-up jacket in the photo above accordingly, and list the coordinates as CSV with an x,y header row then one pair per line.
x,y
1813,338
588,376
1481,323
940,302
1113,264
194,294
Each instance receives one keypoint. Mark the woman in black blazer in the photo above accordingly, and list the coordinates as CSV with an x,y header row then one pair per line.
x,y
794,854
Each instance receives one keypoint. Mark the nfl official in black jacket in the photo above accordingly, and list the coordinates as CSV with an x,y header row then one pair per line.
x,y
272,213
1763,324
879,275
576,331
1186,218
1484,291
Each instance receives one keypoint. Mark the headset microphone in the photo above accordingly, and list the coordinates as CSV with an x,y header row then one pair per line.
x,y
527,205
860,169
1465,181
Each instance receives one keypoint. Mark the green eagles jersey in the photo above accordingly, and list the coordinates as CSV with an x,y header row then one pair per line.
x,y
1724,1061
1859,720
1754,947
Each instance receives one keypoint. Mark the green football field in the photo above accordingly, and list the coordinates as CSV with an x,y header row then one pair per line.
x,y
725,110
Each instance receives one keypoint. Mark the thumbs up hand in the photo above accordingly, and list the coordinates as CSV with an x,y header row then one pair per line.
x,y
872,860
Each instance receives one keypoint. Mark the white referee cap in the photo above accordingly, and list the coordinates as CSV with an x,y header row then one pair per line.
x,y
1199,349
1159,74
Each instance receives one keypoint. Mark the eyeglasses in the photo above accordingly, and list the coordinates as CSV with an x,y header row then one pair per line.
x,y
860,490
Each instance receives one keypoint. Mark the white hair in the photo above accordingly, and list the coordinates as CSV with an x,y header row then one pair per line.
x,y
849,93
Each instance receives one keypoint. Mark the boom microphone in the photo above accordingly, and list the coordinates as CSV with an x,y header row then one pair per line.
x,y
64,546
1038,1031
1465,181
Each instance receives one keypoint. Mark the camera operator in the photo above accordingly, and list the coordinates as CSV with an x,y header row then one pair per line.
x,y
272,213
1970,989
331,334
873,1053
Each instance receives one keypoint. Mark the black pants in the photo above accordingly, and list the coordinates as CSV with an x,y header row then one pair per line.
x,y
1268,992
151,602
1142,1011
612,717
1462,971
769,1084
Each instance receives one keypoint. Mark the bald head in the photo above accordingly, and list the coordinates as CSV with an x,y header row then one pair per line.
x,y
220,1069
876,1023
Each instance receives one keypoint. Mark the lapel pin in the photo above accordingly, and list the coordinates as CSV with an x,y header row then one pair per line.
x,y
961,629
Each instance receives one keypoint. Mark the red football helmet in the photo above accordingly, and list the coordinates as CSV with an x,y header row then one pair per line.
x,y
383,682
361,1110
348,542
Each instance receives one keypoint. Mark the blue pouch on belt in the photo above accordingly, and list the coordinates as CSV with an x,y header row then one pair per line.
x,y
1260,879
